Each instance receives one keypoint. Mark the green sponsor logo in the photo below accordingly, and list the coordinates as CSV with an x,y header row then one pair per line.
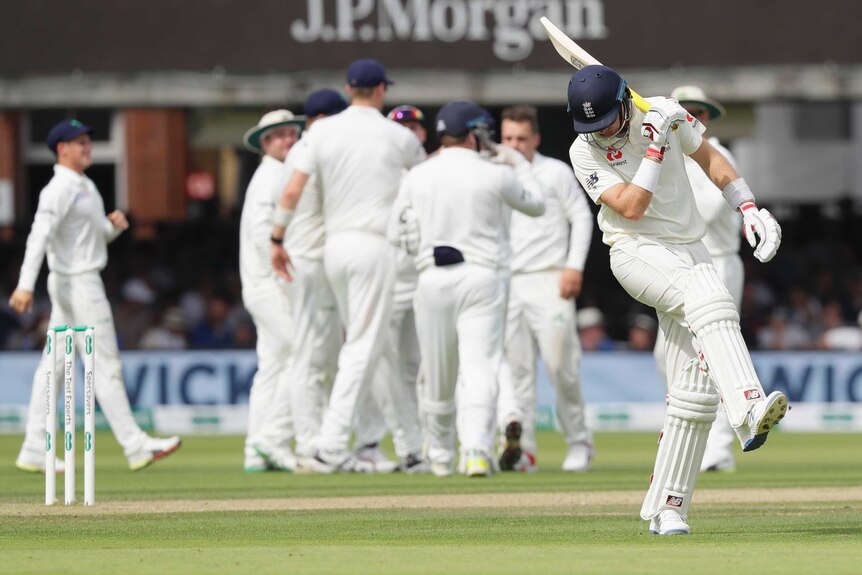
x,y
614,417
69,441
69,344
89,345
47,442
206,420
48,344
88,441
837,417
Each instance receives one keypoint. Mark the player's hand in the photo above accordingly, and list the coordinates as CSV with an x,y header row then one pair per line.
x,y
571,281
21,301
759,224
118,220
509,156
661,118
281,263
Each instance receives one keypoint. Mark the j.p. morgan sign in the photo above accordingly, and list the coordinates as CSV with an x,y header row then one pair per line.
x,y
512,26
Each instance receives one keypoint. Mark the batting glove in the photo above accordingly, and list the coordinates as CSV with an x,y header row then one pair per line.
x,y
759,223
661,118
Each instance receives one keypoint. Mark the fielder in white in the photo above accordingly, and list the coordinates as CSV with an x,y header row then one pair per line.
x,y
71,228
400,358
456,200
548,256
264,294
632,164
317,333
358,157
722,240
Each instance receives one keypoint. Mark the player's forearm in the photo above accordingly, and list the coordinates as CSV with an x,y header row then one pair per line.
x,y
286,205
628,200
33,256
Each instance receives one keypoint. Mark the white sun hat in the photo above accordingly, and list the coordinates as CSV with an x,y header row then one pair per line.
x,y
269,121
695,96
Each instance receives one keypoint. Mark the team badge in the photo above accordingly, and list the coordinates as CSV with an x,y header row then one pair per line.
x,y
588,110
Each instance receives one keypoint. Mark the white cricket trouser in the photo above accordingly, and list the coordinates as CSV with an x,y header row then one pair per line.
x,y
79,299
540,320
317,337
359,269
392,402
460,312
269,398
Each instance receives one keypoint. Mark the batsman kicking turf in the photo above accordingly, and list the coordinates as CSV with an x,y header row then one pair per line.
x,y
631,163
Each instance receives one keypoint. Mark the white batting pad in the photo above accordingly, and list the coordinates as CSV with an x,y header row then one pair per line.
x,y
712,317
692,404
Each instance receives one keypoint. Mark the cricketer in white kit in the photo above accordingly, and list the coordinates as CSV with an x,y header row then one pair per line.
x,y
632,164
358,157
71,227
457,200
264,294
317,333
548,256
722,240
399,359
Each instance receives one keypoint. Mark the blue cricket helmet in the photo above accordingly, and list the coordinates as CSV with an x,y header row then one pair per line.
x,y
595,98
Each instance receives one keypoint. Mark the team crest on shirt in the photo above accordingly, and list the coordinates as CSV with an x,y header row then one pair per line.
x,y
592,180
588,110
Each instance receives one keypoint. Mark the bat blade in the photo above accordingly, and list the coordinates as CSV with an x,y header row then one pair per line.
x,y
571,52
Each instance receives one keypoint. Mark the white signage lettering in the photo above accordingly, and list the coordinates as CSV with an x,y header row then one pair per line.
x,y
511,25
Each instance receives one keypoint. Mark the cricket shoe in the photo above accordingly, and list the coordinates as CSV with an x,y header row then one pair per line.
x,y
256,464
34,462
477,463
278,458
440,469
669,522
153,449
327,463
371,459
414,464
762,418
527,463
579,458
511,453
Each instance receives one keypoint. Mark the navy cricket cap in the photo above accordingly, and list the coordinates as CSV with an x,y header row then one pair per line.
x,y
367,73
594,96
460,116
326,101
65,131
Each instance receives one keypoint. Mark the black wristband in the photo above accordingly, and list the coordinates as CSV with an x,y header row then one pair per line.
x,y
275,240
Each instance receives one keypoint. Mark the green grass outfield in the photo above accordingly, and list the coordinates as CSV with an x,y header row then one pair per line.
x,y
197,512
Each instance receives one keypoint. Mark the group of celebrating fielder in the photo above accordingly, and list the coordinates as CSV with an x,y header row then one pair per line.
x,y
394,292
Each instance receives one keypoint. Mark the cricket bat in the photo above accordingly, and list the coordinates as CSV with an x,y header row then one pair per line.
x,y
578,57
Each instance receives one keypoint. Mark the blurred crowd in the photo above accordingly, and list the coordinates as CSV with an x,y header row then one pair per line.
x,y
182,291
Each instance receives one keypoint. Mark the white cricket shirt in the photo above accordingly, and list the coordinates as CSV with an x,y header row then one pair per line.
x,y
561,237
723,223
458,200
70,226
255,224
672,215
305,237
358,157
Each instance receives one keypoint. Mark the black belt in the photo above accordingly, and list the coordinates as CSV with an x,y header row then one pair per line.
x,y
447,256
